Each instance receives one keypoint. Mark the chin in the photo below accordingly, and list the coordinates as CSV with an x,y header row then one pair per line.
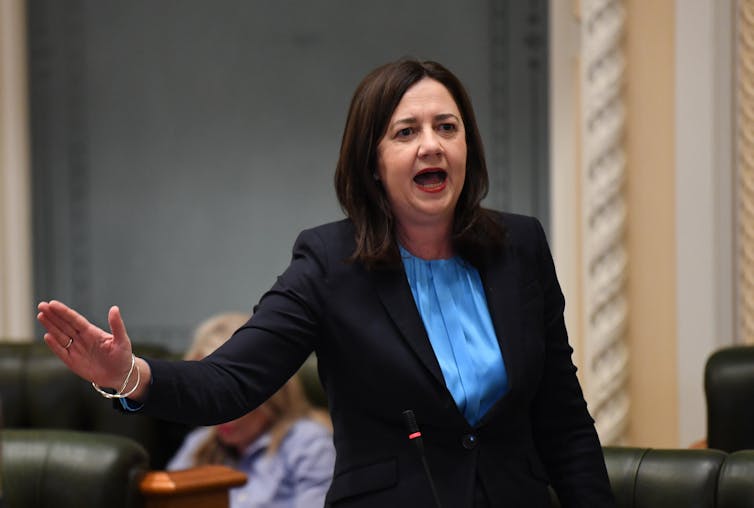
x,y
437,211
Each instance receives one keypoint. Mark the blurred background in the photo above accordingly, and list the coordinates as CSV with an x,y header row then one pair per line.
x,y
163,156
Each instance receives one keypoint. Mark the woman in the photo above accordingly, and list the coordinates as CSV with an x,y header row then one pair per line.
x,y
420,300
284,446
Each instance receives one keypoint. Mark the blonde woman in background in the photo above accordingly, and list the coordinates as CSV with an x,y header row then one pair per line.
x,y
284,446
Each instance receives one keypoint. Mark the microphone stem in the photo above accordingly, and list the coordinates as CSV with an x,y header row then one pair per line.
x,y
431,482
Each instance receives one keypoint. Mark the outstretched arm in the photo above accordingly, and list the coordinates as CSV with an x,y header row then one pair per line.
x,y
92,353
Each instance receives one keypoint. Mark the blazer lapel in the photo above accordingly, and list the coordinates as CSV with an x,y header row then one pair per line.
x,y
502,288
395,294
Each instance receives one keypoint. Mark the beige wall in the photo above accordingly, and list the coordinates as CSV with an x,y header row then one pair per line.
x,y
703,197
16,310
650,191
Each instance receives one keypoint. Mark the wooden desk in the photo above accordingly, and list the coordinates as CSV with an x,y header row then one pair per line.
x,y
198,487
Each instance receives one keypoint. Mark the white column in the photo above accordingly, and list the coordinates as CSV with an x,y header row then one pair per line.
x,y
587,170
16,305
604,256
744,86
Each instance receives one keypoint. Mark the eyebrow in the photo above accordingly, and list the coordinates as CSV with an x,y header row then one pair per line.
x,y
438,118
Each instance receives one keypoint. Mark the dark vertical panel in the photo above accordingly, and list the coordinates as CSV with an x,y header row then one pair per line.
x,y
536,41
60,175
519,154
497,151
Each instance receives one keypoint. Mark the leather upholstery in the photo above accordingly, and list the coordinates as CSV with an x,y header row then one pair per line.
x,y
38,392
680,478
311,383
69,469
729,388
736,487
675,478
622,468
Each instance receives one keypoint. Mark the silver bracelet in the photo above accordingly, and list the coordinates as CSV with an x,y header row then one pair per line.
x,y
119,394
128,376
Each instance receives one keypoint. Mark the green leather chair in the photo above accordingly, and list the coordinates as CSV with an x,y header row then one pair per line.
x,y
37,391
736,487
70,469
729,390
313,389
651,478
679,478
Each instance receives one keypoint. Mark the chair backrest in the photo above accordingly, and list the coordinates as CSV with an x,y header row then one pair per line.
x,y
70,469
736,486
729,389
313,388
680,478
665,478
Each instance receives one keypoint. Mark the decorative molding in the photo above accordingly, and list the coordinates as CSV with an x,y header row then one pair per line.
x,y
745,148
603,217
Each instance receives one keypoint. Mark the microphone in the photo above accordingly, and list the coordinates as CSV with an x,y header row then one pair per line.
x,y
416,436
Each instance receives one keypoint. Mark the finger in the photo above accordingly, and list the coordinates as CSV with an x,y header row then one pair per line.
x,y
60,325
58,336
70,316
54,315
117,326
53,343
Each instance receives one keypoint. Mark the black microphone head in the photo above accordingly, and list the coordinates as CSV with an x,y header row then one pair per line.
x,y
410,418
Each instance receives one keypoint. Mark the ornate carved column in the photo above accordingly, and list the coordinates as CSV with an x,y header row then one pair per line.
x,y
603,217
745,148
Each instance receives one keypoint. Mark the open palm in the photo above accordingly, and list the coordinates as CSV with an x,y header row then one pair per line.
x,y
88,350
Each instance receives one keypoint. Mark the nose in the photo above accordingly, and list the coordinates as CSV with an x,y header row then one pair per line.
x,y
429,144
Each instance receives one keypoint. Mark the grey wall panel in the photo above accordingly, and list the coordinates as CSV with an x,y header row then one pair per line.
x,y
179,147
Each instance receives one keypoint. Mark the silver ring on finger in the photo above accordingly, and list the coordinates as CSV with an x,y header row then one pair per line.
x,y
67,346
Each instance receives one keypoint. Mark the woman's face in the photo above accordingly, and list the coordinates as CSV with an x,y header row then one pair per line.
x,y
243,431
421,159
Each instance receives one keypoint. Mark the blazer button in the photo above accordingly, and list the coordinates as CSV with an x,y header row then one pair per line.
x,y
469,441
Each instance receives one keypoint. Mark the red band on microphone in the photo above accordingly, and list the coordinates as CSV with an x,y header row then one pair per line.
x,y
415,435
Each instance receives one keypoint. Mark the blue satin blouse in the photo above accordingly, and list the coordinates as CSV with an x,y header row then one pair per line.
x,y
450,298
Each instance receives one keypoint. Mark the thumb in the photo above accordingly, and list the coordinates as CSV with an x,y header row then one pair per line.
x,y
117,326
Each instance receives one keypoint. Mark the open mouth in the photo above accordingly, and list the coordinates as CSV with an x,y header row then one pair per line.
x,y
431,179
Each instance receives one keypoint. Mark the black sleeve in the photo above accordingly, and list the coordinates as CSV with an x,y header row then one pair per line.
x,y
564,431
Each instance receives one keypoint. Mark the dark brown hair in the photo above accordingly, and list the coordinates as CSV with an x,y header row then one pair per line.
x,y
475,230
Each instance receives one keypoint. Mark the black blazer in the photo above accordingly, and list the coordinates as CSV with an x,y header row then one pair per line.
x,y
375,361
